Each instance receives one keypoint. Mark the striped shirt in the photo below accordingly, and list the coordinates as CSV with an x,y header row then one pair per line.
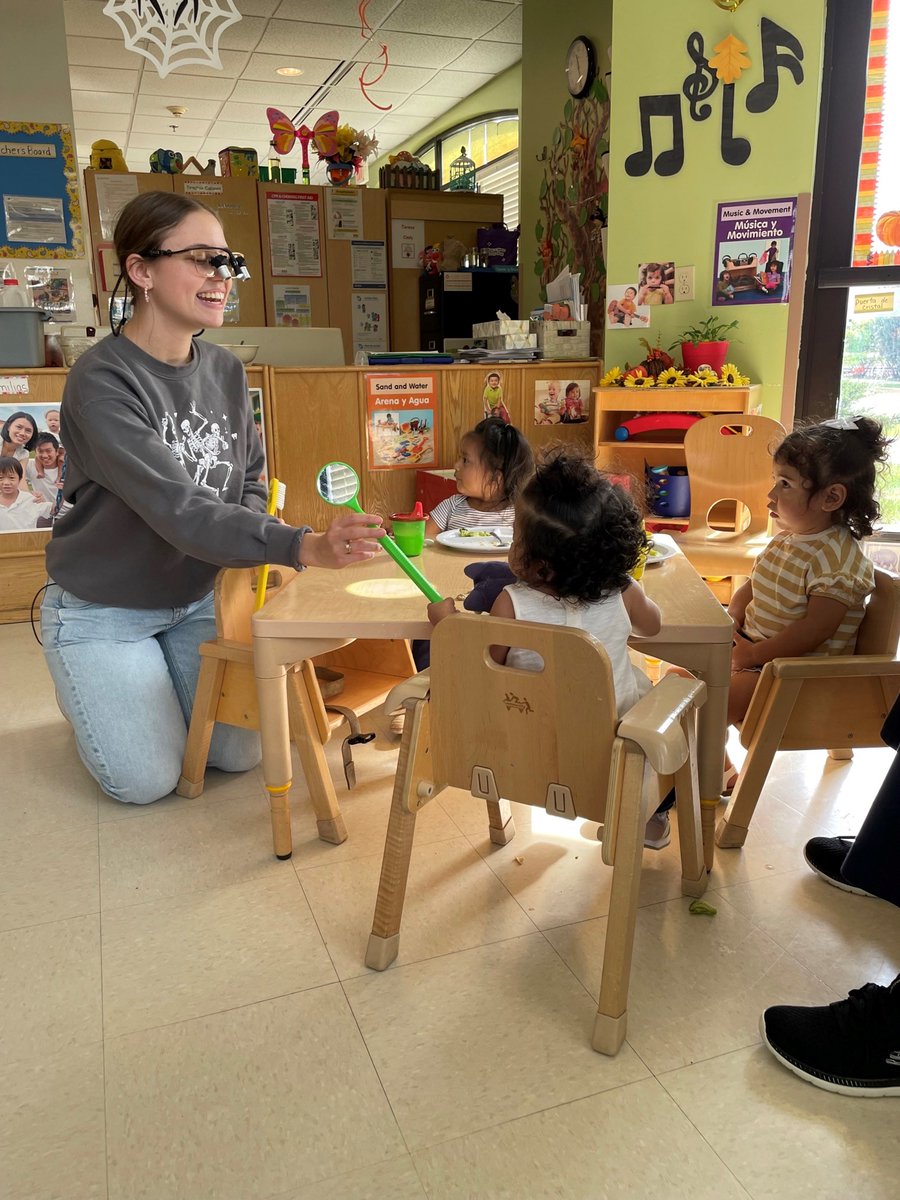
x,y
794,567
456,513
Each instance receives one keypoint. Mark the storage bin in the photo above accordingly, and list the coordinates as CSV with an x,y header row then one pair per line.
x,y
22,337
563,339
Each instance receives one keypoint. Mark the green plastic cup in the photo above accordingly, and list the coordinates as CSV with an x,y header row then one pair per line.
x,y
409,533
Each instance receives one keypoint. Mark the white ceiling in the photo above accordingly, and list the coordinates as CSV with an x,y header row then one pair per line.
x,y
440,51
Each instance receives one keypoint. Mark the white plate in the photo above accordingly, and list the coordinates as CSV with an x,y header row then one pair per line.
x,y
659,552
453,539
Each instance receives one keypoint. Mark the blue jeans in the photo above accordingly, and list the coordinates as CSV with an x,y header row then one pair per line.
x,y
125,678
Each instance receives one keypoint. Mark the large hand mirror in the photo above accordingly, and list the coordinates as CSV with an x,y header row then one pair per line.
x,y
338,483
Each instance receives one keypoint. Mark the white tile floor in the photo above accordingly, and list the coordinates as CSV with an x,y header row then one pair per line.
x,y
185,1017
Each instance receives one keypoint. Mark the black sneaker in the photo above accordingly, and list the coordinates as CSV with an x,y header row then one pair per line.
x,y
826,857
851,1047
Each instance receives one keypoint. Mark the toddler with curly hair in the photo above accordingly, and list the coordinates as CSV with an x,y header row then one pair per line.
x,y
577,536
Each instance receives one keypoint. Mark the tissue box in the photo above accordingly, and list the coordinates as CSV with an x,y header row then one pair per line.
x,y
239,160
499,328
511,341
563,339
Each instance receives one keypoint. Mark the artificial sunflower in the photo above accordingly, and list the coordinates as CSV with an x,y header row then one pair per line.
x,y
671,377
731,376
705,377
640,381
612,378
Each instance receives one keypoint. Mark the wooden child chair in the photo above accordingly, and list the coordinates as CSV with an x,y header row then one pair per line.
x,y
723,465
818,703
551,739
226,692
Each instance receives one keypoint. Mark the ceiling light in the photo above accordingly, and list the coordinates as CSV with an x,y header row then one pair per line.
x,y
288,71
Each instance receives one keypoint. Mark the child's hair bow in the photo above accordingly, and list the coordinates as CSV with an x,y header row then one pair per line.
x,y
841,423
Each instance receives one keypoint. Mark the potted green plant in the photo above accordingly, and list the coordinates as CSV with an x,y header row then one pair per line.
x,y
705,344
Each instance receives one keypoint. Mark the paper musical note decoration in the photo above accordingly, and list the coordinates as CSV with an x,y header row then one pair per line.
x,y
284,134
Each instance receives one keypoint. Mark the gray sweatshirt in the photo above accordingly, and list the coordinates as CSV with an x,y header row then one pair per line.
x,y
163,476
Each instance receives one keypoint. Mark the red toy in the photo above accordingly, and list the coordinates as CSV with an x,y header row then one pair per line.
x,y
653,421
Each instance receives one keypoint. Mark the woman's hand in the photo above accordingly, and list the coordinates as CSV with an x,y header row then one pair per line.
x,y
441,609
347,540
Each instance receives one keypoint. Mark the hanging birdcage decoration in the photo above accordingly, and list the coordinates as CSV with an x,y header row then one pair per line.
x,y
462,173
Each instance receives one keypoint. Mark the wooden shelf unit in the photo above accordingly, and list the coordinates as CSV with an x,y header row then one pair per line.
x,y
614,405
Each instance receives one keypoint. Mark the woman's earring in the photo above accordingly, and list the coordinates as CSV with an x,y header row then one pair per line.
x,y
147,295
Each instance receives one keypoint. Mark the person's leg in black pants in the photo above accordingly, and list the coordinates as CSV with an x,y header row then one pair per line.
x,y
852,1046
870,862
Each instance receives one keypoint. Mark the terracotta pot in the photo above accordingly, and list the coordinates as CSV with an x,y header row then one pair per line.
x,y
339,173
708,354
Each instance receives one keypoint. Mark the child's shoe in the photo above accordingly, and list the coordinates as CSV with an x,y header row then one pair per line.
x,y
658,833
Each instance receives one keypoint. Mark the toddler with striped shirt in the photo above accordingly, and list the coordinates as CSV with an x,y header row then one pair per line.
x,y
493,465
806,593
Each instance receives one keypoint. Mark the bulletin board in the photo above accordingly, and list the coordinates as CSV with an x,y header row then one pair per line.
x,y
40,214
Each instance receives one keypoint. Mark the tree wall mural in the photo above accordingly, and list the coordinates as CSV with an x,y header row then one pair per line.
x,y
574,196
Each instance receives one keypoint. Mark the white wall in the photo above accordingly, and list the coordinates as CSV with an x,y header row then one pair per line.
x,y
34,86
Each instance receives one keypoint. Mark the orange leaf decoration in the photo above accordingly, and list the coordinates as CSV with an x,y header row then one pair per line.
x,y
729,60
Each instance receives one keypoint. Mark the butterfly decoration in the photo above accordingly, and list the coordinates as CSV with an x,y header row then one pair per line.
x,y
284,134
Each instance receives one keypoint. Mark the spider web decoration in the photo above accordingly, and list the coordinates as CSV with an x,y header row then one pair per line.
x,y
173,33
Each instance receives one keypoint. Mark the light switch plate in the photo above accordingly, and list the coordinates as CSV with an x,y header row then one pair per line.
x,y
684,283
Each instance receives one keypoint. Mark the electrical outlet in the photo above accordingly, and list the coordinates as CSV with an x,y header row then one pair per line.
x,y
684,283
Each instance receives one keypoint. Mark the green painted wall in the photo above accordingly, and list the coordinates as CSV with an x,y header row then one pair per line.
x,y
502,93
547,31
673,218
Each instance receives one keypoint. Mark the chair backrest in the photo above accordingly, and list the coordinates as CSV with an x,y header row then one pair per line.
x,y
531,729
235,599
879,632
729,457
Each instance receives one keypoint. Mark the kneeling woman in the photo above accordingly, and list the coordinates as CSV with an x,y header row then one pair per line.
x,y
163,477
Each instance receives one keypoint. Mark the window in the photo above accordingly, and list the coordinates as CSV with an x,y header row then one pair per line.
x,y
492,142
850,344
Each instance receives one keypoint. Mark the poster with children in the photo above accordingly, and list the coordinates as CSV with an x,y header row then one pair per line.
x,y
31,460
754,247
400,421
622,311
561,401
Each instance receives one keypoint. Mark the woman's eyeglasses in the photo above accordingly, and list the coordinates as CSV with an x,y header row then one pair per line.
x,y
208,261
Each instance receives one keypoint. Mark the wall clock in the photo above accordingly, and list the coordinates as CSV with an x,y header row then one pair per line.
x,y
581,67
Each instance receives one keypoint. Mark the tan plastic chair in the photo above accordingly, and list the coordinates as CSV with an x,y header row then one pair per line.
x,y
730,467
226,692
816,703
550,739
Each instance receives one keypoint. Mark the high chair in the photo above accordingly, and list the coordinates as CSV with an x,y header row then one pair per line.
x,y
724,463
551,739
226,692
818,703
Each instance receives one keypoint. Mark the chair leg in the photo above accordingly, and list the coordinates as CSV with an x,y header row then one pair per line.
x,y
384,940
329,821
611,1020
200,731
732,829
501,827
841,755
694,876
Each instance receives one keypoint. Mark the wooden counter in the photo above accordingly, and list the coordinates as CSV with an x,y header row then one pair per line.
x,y
313,415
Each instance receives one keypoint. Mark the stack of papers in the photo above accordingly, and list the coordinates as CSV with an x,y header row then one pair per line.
x,y
479,354
566,289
